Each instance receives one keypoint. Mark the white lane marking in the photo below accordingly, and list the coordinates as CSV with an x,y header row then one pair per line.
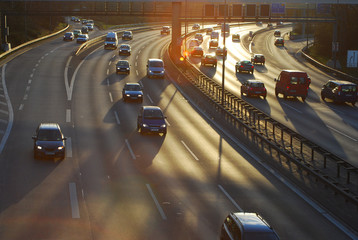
x,y
191,152
68,147
292,107
107,82
110,96
160,209
27,88
130,150
11,112
117,118
29,82
36,65
21,107
150,98
68,115
136,71
110,62
25,97
333,129
74,202
136,57
4,111
230,198
136,64
107,71
32,75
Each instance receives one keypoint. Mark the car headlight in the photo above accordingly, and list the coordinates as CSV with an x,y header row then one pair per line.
x,y
60,148
163,125
150,71
127,68
162,71
127,95
39,147
140,95
145,125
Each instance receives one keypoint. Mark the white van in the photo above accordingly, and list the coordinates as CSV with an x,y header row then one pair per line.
x,y
111,41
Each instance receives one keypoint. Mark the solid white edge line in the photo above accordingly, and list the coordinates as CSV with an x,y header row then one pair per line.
x,y
291,107
150,99
333,129
187,148
68,115
74,202
130,150
160,209
110,96
230,198
313,204
11,112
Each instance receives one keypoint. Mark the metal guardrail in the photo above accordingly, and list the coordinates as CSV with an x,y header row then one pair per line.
x,y
331,170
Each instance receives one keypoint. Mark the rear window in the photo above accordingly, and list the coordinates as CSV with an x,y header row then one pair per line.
x,y
298,80
349,88
258,85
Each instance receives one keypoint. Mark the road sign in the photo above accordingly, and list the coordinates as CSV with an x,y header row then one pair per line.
x,y
278,8
352,58
335,46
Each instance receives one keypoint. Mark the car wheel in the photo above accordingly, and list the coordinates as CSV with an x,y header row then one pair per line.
x,y
323,97
353,103
276,92
303,98
128,72
284,96
265,96
35,155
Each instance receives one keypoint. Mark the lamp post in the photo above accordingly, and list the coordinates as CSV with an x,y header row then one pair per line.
x,y
223,27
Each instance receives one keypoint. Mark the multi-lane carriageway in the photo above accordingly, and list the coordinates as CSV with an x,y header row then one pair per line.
x,y
117,184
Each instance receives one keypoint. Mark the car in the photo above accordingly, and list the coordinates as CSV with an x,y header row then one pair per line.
x,y
235,37
215,35
259,24
244,66
196,26
221,51
253,88
258,58
84,21
340,91
293,83
132,91
151,120
246,226
124,49
209,59
111,41
199,36
84,29
269,25
77,32
90,26
278,24
123,66
82,38
77,20
69,36
127,35
279,41
197,51
277,33
165,30
49,141
209,30
155,68
213,43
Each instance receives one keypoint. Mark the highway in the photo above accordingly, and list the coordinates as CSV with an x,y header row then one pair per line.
x,y
116,183
332,126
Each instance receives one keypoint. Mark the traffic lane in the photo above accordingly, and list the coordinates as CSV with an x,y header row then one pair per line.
x,y
34,187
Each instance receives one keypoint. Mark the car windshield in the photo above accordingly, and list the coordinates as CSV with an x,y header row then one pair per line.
x,y
153,114
123,64
156,64
49,135
125,47
132,88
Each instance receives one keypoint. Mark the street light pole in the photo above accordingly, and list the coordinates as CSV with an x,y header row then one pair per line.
x,y
223,27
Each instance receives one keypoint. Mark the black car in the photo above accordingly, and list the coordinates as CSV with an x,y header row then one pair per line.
x,y
69,36
244,66
151,120
123,66
258,58
127,35
124,49
49,141
132,91
84,29
340,91
209,59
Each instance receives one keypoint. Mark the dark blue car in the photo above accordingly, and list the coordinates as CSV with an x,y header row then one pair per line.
x,y
151,120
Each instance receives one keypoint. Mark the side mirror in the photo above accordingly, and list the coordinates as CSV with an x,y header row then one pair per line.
x,y
275,80
34,137
64,138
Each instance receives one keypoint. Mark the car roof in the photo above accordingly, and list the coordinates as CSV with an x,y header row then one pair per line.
x,y
342,82
155,60
49,126
124,45
132,84
293,71
254,81
258,55
252,222
151,108
123,61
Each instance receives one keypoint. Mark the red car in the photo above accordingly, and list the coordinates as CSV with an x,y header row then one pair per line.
x,y
253,88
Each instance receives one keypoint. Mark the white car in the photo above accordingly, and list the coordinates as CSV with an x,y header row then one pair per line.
x,y
82,38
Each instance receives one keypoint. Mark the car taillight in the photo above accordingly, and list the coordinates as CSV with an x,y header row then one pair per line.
x,y
252,66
